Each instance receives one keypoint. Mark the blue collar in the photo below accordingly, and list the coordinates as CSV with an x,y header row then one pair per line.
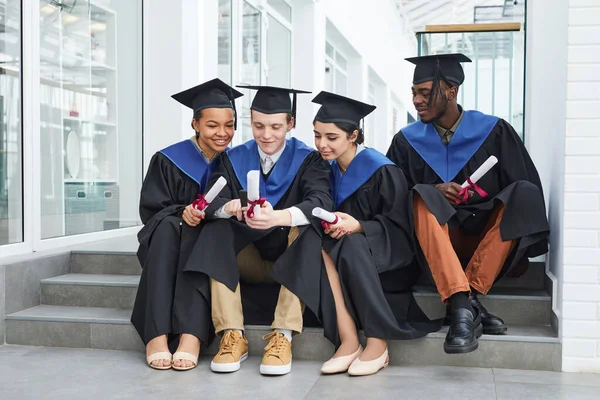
x,y
448,160
360,170
245,158
187,157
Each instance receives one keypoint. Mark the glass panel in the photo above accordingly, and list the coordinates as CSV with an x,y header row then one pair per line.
x,y
329,76
11,173
494,80
282,8
329,50
251,64
340,60
279,54
91,113
225,40
340,83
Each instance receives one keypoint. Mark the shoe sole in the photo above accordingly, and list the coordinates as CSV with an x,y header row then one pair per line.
x,y
465,349
499,330
275,369
229,367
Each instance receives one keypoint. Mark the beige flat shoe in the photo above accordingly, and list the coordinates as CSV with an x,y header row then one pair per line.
x,y
163,355
340,364
361,368
181,355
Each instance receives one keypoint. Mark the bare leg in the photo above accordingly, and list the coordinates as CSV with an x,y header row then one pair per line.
x,y
346,325
158,345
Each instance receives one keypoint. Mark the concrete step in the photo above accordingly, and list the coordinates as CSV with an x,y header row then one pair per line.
x,y
90,290
124,263
113,263
524,347
516,306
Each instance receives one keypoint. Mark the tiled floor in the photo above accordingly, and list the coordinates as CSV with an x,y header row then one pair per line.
x,y
51,373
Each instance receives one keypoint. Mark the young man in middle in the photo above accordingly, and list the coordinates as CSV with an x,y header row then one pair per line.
x,y
281,242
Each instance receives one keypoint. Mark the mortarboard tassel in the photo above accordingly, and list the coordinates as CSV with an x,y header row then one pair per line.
x,y
232,98
294,108
435,87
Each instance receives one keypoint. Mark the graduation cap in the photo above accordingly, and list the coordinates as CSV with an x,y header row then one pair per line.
x,y
211,94
439,66
336,108
274,100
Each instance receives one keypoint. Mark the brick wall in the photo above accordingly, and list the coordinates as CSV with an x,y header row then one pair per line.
x,y
581,274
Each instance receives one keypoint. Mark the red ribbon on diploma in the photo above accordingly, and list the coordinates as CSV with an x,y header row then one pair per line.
x,y
463,195
327,225
200,203
254,203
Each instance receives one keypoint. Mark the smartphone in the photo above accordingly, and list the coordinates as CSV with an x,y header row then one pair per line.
x,y
244,198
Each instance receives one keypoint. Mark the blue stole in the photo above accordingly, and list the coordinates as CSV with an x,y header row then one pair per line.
x,y
448,160
360,170
245,158
187,157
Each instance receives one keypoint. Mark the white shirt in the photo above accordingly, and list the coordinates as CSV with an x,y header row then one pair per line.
x,y
298,217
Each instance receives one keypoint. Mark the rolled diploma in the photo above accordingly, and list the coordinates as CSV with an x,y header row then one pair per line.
x,y
481,171
325,215
254,188
215,190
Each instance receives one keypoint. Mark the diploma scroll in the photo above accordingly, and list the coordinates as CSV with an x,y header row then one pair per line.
x,y
327,217
202,202
254,198
471,182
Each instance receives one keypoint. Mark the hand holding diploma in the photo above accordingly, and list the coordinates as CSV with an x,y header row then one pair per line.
x,y
471,182
337,224
194,213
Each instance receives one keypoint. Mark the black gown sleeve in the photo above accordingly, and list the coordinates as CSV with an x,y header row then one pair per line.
x,y
159,195
388,231
398,153
515,161
315,185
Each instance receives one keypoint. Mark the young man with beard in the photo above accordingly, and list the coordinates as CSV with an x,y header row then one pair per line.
x,y
489,226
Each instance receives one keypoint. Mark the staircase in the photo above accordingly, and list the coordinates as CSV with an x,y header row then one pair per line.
x,y
91,306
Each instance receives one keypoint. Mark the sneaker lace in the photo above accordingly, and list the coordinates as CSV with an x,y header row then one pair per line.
x,y
277,345
229,343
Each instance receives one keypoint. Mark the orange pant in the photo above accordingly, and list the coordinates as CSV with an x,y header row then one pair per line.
x,y
443,249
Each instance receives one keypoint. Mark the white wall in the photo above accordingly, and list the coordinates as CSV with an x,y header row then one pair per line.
x,y
546,77
163,60
581,275
372,37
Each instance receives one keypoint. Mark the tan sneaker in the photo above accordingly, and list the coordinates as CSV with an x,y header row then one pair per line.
x,y
233,349
277,359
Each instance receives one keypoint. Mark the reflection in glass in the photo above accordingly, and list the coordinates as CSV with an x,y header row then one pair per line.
x,y
225,41
11,174
279,54
251,65
90,95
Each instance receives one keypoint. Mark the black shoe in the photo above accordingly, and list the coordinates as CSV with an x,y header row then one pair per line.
x,y
492,325
463,332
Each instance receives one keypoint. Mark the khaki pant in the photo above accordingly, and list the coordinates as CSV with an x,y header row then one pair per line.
x,y
443,250
227,305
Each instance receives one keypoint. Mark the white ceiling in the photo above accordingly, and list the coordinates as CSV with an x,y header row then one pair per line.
x,y
436,12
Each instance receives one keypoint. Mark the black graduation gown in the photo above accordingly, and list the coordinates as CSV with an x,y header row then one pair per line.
x,y
168,300
300,178
376,267
513,181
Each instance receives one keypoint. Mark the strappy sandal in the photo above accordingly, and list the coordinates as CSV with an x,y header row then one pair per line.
x,y
181,355
163,355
